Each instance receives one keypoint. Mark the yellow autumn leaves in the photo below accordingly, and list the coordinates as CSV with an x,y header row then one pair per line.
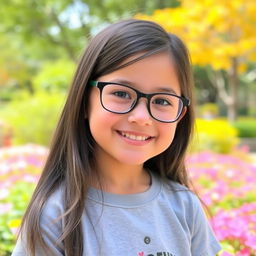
x,y
215,31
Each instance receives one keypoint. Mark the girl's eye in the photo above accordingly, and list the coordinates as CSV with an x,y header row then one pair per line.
x,y
122,94
162,102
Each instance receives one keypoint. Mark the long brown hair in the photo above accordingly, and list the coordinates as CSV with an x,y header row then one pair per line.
x,y
71,158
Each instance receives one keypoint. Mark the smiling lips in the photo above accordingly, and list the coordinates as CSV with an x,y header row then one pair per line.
x,y
134,137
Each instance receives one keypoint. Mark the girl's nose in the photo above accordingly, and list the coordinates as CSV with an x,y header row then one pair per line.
x,y
140,114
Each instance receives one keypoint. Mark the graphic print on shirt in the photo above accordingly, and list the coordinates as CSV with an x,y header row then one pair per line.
x,y
157,254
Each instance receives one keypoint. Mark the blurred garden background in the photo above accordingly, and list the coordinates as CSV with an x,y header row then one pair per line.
x,y
40,44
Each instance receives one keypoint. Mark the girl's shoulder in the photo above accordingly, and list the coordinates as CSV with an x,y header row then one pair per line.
x,y
180,196
188,210
56,197
54,205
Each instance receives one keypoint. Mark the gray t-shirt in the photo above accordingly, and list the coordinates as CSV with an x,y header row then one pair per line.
x,y
166,220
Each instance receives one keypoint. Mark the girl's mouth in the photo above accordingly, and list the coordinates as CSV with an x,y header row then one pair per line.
x,y
134,137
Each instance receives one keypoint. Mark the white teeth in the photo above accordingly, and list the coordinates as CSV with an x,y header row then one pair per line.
x,y
134,137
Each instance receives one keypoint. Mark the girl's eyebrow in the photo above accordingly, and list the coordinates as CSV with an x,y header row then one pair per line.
x,y
166,89
158,89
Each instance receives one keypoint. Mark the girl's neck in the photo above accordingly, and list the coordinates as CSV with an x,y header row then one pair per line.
x,y
122,179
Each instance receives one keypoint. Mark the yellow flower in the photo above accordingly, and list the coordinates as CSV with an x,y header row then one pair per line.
x,y
15,223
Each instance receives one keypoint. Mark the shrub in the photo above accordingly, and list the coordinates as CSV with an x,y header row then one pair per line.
x,y
54,76
216,135
33,119
246,127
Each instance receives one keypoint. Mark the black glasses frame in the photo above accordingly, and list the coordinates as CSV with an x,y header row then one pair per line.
x,y
148,96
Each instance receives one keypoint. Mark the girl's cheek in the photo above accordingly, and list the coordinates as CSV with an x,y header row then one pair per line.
x,y
102,120
169,133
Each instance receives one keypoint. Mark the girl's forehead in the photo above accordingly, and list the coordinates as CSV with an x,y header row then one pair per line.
x,y
142,56
156,72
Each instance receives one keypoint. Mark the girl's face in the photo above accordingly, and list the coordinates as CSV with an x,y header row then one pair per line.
x,y
134,137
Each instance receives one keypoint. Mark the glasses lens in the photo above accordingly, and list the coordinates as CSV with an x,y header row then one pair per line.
x,y
118,98
165,107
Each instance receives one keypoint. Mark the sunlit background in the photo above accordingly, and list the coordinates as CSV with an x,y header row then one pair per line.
x,y
40,44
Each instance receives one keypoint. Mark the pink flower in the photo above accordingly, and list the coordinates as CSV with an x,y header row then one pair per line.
x,y
226,184
226,254
251,241
244,252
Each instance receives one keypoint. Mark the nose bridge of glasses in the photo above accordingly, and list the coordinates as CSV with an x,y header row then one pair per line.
x,y
137,102
142,95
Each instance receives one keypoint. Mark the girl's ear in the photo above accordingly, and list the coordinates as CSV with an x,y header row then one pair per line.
x,y
184,111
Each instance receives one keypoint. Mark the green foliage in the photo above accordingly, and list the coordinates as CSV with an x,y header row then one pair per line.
x,y
54,76
39,23
15,68
112,10
246,127
215,135
64,26
33,119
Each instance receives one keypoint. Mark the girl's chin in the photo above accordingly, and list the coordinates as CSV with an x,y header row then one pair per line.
x,y
132,160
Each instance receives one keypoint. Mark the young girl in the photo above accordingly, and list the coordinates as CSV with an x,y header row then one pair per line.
x,y
115,181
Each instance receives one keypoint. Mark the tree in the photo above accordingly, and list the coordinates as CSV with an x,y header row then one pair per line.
x,y
48,30
62,27
219,34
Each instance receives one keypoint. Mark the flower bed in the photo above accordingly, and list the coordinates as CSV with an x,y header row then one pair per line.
x,y
19,171
226,183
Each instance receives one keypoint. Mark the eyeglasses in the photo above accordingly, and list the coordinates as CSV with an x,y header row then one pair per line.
x,y
121,99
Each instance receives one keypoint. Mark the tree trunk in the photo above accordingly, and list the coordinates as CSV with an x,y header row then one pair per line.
x,y
227,91
233,91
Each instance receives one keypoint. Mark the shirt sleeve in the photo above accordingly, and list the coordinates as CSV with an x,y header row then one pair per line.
x,y
51,230
204,242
